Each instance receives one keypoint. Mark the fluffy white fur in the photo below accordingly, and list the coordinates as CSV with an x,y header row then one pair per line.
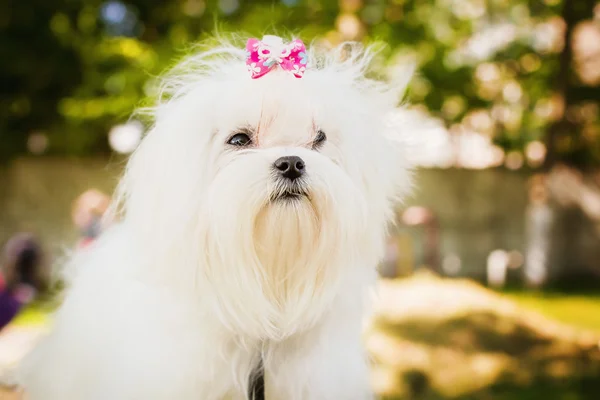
x,y
206,273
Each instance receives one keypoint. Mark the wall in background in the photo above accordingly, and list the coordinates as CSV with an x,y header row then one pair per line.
x,y
477,212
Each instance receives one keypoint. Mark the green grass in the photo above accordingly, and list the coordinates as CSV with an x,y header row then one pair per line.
x,y
33,315
582,311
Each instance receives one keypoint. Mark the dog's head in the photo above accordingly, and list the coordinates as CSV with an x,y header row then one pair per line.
x,y
264,190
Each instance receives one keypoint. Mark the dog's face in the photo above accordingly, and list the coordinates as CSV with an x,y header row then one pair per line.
x,y
277,184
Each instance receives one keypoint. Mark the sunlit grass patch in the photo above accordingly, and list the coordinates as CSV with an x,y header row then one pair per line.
x,y
578,310
453,339
32,316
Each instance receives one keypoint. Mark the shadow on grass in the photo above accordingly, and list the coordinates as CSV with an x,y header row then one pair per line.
x,y
537,363
419,388
471,333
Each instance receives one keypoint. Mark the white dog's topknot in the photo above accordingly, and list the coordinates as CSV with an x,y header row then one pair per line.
x,y
347,64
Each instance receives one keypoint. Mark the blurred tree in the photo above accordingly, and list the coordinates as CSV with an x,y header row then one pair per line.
x,y
511,70
36,71
504,69
574,136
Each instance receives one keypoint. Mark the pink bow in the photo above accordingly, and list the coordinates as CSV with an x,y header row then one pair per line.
x,y
263,56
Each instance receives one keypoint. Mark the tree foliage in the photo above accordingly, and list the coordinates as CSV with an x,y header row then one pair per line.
x,y
507,69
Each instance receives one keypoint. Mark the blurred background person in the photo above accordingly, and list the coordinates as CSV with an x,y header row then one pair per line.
x,y
23,275
89,215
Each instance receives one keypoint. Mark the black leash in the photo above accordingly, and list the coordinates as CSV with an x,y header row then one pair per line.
x,y
256,390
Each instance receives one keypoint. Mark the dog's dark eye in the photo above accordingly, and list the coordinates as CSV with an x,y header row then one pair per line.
x,y
320,139
240,139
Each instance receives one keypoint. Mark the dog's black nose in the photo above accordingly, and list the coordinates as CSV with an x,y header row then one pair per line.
x,y
291,167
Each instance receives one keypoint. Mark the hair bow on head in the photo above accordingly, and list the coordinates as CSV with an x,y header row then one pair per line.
x,y
263,56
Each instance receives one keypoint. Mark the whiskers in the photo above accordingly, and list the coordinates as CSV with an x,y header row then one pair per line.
x,y
289,190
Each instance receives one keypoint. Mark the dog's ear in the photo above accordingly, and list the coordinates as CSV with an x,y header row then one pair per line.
x,y
399,78
401,125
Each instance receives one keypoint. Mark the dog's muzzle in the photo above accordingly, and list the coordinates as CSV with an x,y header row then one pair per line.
x,y
294,191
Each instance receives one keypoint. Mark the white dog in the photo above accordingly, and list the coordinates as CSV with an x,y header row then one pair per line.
x,y
253,216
